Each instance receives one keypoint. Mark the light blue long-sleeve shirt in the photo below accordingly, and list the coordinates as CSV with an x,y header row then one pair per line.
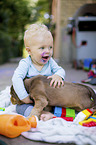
x,y
27,69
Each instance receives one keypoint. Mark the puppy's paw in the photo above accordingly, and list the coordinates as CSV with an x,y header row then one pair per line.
x,y
46,117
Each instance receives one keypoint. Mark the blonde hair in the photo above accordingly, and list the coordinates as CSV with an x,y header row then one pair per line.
x,y
33,31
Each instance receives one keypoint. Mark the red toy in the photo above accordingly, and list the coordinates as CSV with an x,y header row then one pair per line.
x,y
64,113
65,118
90,122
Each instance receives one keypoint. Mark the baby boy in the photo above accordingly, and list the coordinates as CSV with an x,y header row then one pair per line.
x,y
38,41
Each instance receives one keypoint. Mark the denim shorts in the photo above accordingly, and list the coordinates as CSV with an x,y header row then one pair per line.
x,y
24,109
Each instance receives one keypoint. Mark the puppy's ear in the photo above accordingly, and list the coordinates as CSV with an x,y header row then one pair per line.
x,y
16,101
13,100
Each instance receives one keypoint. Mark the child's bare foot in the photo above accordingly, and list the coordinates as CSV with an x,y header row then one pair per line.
x,y
46,116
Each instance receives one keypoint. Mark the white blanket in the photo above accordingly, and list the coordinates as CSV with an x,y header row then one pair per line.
x,y
60,131
55,130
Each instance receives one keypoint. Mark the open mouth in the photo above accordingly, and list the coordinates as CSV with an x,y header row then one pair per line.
x,y
45,58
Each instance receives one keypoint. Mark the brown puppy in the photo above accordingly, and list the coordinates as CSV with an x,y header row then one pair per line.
x,y
71,95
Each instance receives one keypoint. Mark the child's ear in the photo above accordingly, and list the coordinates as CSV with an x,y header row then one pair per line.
x,y
28,50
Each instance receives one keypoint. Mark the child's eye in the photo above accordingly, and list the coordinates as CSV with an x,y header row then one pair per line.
x,y
41,47
50,47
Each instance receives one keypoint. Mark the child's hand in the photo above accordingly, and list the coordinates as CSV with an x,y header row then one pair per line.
x,y
27,100
56,81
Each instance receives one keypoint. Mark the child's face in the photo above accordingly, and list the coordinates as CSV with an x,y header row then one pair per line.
x,y
41,48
